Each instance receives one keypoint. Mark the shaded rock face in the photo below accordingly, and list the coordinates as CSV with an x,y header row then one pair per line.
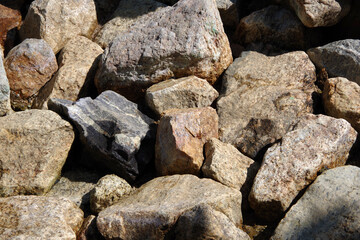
x,y
35,217
4,89
10,19
329,209
317,142
180,138
262,98
186,39
112,131
58,21
330,55
154,208
29,66
34,145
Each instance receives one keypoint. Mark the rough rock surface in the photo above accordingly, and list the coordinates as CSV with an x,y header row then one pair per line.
x,y
341,99
89,230
225,164
262,97
187,92
4,89
29,66
320,13
180,138
329,209
317,142
37,217
58,21
346,52
9,19
154,208
112,130
34,146
108,191
186,39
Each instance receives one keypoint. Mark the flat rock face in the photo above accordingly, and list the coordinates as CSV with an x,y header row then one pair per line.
x,y
341,99
187,92
180,138
112,131
262,98
34,146
317,142
320,13
346,52
154,208
9,19
329,209
183,40
35,217
4,89
58,21
29,66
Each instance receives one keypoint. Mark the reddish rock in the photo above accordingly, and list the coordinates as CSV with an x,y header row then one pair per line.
x,y
9,19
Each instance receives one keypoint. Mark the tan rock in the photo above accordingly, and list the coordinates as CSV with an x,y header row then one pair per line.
x,y
180,138
9,19
34,145
35,217
154,208
89,230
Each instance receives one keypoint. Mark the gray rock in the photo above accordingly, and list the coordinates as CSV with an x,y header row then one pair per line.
x,y
329,209
262,98
112,130
4,89
34,146
346,52
154,208
317,142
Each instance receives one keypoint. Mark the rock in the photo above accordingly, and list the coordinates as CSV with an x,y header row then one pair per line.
x,y
126,14
324,13
29,66
154,208
38,217
59,21
317,142
228,12
203,222
345,51
78,62
108,191
341,99
183,40
4,89
225,164
187,92
89,230
104,9
262,98
180,138
329,209
114,133
10,19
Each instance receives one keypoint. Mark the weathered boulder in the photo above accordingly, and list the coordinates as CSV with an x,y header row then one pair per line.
x,y
4,89
329,209
38,217
317,142
183,40
154,208
187,92
10,19
34,146
108,191
346,52
262,98
89,230
58,21
341,99
29,66
180,138
112,131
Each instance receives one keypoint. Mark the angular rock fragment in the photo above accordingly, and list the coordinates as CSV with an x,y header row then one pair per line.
x,y
4,89
10,19
34,146
180,138
187,92
316,143
154,208
263,97
89,230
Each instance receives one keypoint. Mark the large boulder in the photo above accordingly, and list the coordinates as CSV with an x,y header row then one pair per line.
x,y
34,145
4,89
154,208
10,19
183,40
263,97
318,142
